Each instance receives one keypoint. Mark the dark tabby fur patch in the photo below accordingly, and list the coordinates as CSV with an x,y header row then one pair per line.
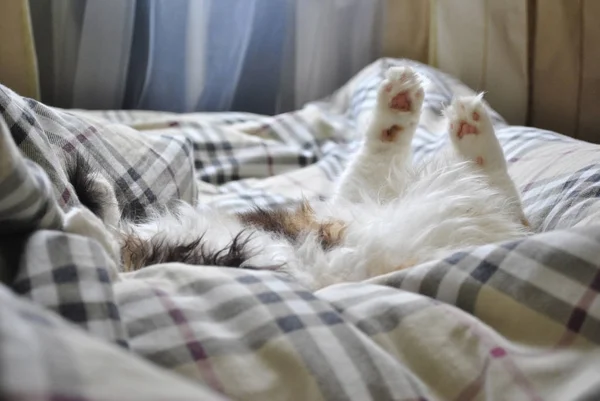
x,y
294,223
83,178
138,253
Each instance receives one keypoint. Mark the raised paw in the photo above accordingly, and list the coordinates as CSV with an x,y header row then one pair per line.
x,y
472,133
398,109
402,90
467,116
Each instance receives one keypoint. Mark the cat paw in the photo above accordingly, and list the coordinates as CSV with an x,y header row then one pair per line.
x,y
401,91
399,102
467,116
471,131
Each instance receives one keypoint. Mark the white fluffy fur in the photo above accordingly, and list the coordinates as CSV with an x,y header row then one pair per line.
x,y
396,214
184,223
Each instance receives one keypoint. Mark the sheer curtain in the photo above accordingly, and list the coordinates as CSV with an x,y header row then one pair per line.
x,y
263,56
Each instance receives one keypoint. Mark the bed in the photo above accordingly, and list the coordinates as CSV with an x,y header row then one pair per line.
x,y
511,321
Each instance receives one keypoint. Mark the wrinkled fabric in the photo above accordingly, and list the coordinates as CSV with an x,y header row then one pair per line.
x,y
518,320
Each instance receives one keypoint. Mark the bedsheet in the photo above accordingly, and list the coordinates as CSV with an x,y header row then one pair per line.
x,y
510,321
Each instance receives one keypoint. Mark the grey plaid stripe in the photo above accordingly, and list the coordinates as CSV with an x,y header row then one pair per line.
x,y
494,265
372,309
44,358
69,274
26,199
146,170
561,201
265,307
36,358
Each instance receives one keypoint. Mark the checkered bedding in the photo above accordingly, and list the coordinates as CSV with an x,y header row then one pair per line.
x,y
511,321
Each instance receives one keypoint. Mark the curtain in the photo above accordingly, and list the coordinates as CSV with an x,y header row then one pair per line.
x,y
18,63
537,60
485,45
566,68
482,42
262,56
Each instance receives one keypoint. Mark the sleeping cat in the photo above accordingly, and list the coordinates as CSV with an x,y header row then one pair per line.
x,y
387,214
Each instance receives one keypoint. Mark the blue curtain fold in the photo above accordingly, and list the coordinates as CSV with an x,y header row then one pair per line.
x,y
229,32
161,81
201,55
258,87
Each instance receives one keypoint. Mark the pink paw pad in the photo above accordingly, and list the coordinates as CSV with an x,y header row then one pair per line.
x,y
498,352
401,102
390,134
466,129
479,160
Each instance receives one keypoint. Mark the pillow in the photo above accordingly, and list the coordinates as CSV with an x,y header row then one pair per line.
x,y
145,168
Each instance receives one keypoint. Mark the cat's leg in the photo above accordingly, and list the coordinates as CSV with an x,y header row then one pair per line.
x,y
388,138
473,138
472,133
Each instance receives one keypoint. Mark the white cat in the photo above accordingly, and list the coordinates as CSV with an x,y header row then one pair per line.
x,y
387,214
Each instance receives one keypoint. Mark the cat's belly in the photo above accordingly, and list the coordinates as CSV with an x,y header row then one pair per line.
x,y
431,220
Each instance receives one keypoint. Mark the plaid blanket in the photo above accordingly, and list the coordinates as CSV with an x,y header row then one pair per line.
x,y
511,321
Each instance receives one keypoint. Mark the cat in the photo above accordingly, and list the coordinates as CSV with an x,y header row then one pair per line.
x,y
386,214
